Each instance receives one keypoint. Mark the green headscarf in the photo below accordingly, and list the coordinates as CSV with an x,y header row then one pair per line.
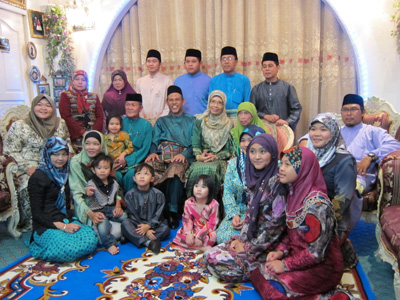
x,y
238,129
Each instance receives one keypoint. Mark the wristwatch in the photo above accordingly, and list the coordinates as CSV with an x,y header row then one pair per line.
x,y
373,156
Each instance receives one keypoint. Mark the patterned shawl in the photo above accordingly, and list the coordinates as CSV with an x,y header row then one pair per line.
x,y
44,128
81,96
114,100
257,180
238,129
58,176
216,129
309,180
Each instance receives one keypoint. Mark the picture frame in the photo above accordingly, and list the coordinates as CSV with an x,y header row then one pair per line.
x,y
59,81
17,3
43,88
4,44
31,49
34,74
35,19
58,91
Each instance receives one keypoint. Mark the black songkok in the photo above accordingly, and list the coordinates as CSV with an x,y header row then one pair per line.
x,y
353,99
154,53
174,89
194,53
228,50
134,97
270,56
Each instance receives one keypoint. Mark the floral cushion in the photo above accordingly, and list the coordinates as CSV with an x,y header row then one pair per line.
x,y
390,222
5,197
390,166
380,119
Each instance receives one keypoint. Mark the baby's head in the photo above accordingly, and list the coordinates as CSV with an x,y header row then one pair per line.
x,y
113,123
102,166
144,176
204,186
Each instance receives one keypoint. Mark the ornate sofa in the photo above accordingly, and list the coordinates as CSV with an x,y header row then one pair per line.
x,y
381,113
8,195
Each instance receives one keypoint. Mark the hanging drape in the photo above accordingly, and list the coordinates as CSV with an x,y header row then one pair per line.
x,y
315,53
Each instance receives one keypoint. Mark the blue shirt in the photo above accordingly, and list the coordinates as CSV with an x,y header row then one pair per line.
x,y
195,92
236,87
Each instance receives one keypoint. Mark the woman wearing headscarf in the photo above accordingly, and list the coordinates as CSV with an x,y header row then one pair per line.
x,y
114,97
211,142
81,110
235,189
23,142
246,115
233,260
339,168
308,261
57,236
93,143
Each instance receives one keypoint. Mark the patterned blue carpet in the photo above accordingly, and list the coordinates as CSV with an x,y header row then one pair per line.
x,y
380,274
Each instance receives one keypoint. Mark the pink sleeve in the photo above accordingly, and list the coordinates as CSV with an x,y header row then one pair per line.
x,y
211,225
187,216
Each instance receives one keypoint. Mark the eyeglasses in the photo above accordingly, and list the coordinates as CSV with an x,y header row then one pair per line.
x,y
227,58
353,109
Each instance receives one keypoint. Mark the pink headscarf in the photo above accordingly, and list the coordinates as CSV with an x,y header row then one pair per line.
x,y
309,180
113,100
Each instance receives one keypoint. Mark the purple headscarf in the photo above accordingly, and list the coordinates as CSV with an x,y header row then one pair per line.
x,y
114,101
257,180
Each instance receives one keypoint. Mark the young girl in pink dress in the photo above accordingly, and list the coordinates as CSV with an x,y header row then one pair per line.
x,y
200,217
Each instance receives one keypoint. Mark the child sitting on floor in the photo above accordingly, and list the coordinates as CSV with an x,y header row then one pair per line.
x,y
145,224
118,142
103,198
200,217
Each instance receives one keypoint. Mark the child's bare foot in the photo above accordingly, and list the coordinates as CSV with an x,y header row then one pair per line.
x,y
113,250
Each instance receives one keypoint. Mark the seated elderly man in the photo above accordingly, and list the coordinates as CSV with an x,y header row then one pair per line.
x,y
171,153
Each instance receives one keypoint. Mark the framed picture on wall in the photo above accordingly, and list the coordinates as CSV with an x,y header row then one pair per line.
x,y
35,19
59,81
34,74
31,48
4,44
43,88
58,91
17,3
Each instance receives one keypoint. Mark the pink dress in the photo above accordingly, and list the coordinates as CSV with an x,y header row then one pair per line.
x,y
202,224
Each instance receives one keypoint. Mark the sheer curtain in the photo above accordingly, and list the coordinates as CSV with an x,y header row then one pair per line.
x,y
315,53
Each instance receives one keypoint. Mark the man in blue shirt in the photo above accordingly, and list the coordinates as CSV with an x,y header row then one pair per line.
x,y
194,84
236,86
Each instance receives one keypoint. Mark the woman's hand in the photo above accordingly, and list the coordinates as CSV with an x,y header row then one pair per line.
x,y
275,266
236,223
274,255
120,162
96,217
31,170
237,246
67,227
152,157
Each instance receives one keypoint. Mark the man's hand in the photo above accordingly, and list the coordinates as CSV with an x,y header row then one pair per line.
x,y
150,234
152,157
179,158
271,118
363,165
142,229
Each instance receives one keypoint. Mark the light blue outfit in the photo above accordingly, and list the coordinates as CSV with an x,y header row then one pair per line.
x,y
140,133
195,92
236,87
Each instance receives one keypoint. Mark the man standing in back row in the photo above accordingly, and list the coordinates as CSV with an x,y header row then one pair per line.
x,y
194,84
236,86
153,88
276,100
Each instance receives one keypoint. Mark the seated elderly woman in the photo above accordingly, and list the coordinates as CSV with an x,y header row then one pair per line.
x,y
235,189
246,115
339,168
23,142
57,235
211,142
81,110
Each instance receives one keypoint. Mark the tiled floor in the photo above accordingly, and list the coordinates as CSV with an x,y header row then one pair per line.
x,y
380,274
